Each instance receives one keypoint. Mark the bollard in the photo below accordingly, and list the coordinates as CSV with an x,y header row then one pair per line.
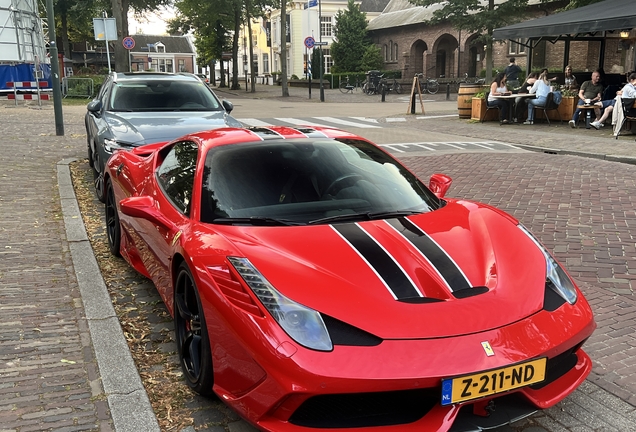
x,y
447,91
383,93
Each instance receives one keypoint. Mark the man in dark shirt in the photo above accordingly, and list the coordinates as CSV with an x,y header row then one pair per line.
x,y
589,93
512,73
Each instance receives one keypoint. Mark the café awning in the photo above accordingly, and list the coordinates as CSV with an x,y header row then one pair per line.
x,y
608,15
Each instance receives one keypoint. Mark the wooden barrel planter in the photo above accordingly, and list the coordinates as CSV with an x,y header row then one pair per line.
x,y
465,97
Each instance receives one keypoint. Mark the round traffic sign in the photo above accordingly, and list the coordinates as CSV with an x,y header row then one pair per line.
x,y
309,42
128,42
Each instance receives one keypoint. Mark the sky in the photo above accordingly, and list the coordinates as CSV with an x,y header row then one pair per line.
x,y
151,24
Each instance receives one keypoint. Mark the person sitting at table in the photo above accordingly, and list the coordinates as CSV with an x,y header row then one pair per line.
x,y
498,88
545,70
521,102
627,92
589,93
540,88
512,73
569,79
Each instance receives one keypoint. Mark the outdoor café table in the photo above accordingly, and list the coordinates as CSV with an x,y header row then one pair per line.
x,y
513,97
588,113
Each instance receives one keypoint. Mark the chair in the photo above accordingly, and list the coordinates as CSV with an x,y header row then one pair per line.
x,y
629,113
488,107
550,105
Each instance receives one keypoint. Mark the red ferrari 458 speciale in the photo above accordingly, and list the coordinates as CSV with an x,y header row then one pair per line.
x,y
317,283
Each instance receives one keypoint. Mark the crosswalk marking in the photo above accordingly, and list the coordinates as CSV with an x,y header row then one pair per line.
x,y
254,122
299,122
395,119
345,122
444,145
366,119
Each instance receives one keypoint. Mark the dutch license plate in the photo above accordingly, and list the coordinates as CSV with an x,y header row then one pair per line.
x,y
475,386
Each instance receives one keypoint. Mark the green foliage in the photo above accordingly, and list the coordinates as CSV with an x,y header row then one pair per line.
x,y
480,95
351,39
372,58
315,63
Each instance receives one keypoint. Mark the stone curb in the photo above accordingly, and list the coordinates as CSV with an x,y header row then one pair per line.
x,y
613,158
127,398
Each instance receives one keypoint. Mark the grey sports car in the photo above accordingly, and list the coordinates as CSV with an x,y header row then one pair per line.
x,y
133,109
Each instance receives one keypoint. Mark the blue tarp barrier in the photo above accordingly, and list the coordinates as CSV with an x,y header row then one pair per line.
x,y
22,72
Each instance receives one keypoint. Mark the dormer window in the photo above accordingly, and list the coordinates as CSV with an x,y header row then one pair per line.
x,y
160,48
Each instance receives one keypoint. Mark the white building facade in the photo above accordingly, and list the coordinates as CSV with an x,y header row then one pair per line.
x,y
305,19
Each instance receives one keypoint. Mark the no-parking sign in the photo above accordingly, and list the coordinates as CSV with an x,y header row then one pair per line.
x,y
310,42
128,43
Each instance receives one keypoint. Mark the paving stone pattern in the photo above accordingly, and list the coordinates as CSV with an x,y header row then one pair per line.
x,y
49,378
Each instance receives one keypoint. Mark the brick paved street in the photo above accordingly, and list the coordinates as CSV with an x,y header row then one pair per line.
x,y
582,208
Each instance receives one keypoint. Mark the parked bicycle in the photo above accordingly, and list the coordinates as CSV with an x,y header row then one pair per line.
x,y
468,80
392,85
373,84
348,86
427,84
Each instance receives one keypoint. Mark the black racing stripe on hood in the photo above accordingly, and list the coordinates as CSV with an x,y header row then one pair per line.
x,y
310,133
446,267
378,258
265,133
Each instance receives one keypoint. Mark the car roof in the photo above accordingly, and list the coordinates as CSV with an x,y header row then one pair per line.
x,y
132,76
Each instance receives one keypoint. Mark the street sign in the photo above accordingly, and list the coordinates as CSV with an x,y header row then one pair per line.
x,y
105,29
312,3
321,43
310,42
128,43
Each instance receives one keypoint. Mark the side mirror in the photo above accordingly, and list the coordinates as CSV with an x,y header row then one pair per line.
x,y
94,106
439,184
228,106
143,207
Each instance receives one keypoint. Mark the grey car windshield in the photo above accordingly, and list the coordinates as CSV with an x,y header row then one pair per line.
x,y
162,95
306,181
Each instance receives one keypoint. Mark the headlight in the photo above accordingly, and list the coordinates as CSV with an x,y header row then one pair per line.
x,y
560,281
301,323
112,145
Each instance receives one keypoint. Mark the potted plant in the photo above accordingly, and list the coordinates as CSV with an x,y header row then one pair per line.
x,y
479,108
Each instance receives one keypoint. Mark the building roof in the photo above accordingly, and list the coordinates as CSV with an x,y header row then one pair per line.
x,y
603,16
373,5
400,13
173,44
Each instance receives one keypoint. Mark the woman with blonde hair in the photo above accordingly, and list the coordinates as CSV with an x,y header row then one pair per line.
x,y
540,88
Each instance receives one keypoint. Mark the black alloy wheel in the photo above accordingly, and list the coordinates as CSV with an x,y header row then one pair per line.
x,y
113,228
191,333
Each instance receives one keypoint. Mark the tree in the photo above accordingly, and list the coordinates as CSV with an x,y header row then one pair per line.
x,y
283,48
372,58
477,16
351,39
210,23
74,20
120,9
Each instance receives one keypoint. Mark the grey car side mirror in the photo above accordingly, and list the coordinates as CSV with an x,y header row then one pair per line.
x,y
228,106
94,106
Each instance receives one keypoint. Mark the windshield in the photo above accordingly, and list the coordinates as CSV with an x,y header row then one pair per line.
x,y
307,181
162,95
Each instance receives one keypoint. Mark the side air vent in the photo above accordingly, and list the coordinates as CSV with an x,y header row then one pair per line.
x,y
233,290
470,292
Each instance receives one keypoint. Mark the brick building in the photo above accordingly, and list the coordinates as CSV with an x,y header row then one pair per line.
x,y
412,45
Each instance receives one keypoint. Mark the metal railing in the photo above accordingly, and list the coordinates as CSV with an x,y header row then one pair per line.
x,y
78,87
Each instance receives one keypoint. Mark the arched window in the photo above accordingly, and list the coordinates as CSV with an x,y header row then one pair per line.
x,y
391,50
396,52
386,53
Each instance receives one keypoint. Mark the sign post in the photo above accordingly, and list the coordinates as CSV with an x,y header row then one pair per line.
x,y
106,30
129,44
309,44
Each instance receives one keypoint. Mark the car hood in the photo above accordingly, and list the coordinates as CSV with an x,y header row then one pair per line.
x,y
139,128
381,277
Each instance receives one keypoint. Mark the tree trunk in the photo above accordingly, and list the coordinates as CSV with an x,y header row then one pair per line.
x,y
212,72
491,7
120,13
251,59
283,48
66,46
235,41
